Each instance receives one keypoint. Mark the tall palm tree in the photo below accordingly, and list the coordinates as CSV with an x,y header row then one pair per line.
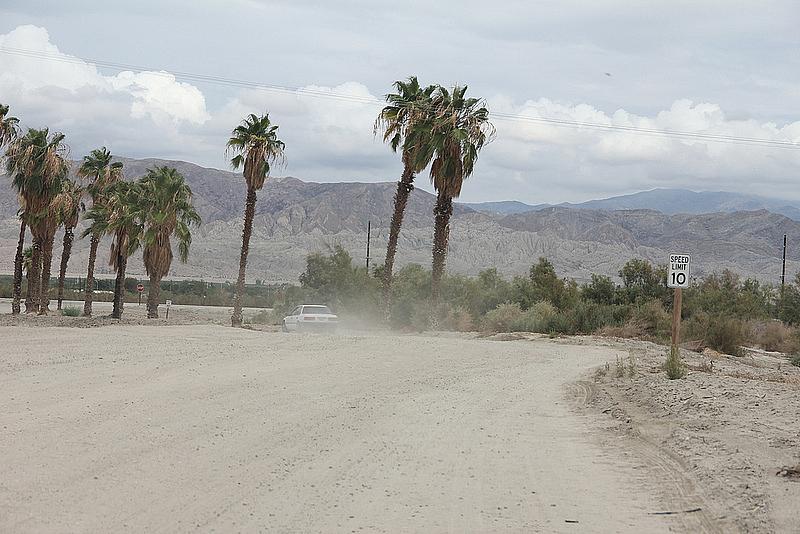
x,y
255,146
404,125
166,208
67,206
37,163
27,261
101,173
9,129
460,129
119,215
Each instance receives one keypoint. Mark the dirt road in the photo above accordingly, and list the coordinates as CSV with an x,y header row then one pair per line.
x,y
171,429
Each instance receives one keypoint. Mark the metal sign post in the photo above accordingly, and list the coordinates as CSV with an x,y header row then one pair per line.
x,y
169,303
140,288
678,279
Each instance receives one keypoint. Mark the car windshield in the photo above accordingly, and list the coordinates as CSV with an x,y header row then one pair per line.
x,y
316,309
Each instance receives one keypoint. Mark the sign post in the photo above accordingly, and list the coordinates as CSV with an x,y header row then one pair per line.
x,y
678,279
140,288
169,303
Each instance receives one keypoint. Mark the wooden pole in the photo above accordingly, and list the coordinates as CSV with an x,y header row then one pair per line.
x,y
676,317
369,231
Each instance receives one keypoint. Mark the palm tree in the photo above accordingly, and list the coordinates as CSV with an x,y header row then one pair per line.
x,y
102,173
120,216
460,128
404,126
9,129
67,206
165,207
37,163
256,145
27,261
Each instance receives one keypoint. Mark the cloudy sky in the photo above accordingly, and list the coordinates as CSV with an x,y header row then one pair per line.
x,y
718,67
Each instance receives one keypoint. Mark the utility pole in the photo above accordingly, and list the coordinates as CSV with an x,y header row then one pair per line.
x,y
369,230
783,268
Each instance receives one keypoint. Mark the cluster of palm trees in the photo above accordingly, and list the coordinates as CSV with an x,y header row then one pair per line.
x,y
441,128
145,213
429,126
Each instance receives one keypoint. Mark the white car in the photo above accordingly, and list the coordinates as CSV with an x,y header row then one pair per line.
x,y
310,317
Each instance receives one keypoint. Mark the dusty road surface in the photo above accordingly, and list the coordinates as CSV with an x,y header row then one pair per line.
x,y
184,428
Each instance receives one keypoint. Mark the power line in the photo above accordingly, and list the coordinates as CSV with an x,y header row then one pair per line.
x,y
514,117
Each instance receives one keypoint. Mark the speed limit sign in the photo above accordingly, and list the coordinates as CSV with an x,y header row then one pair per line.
x,y
678,273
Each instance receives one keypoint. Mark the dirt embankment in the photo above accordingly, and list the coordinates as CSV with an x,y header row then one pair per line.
x,y
726,438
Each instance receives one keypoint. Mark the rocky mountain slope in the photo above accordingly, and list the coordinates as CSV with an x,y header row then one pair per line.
x,y
669,201
295,218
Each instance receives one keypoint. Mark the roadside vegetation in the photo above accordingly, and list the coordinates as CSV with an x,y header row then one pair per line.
x,y
721,312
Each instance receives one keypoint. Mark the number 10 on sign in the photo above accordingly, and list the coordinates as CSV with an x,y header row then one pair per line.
x,y
678,273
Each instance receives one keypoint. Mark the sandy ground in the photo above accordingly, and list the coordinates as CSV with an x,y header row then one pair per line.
x,y
723,435
181,428
132,313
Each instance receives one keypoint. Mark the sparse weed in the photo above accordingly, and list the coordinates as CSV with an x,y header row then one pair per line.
x,y
620,367
632,368
70,311
674,366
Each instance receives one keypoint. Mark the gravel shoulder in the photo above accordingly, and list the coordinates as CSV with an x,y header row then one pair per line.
x,y
723,436
182,428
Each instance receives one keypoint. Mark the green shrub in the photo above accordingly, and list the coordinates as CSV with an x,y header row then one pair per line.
x,y
502,318
265,317
71,311
539,318
653,319
795,360
723,334
674,366
459,320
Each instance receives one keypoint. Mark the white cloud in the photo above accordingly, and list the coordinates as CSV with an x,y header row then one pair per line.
x,y
331,139
157,95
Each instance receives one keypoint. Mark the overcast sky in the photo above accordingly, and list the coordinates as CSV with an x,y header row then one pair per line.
x,y
722,67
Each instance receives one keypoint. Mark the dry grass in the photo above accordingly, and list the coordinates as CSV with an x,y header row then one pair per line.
x,y
774,336
630,330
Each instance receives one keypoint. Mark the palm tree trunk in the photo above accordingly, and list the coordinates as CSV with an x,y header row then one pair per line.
x,y
47,265
249,213
441,235
65,254
34,277
119,286
15,307
404,188
89,295
153,295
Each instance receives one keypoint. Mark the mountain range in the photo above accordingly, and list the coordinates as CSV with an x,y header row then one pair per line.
x,y
295,218
668,201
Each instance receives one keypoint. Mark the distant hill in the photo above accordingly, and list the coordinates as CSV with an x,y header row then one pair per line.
x,y
295,218
668,201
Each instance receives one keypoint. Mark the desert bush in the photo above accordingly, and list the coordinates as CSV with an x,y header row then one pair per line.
x,y
652,319
459,320
266,317
538,318
71,311
620,367
502,318
773,336
721,333
795,360
674,367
